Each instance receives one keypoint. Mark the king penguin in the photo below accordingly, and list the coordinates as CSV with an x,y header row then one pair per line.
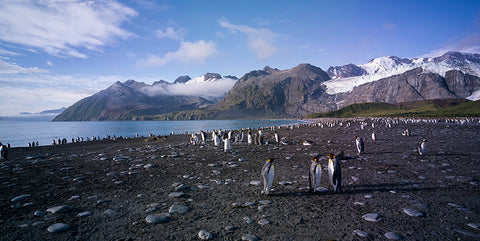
x,y
335,173
226,144
267,176
315,174
249,138
360,145
277,139
421,148
216,141
374,136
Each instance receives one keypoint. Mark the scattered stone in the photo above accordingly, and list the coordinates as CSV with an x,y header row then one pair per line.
x,y
242,159
204,235
361,233
413,212
176,194
249,237
84,214
467,233
322,189
147,166
175,208
250,204
60,209
354,178
474,225
263,222
265,202
372,217
20,198
201,186
58,227
230,228
394,236
368,196
285,183
255,183
157,218
73,197
39,213
248,220
237,204
180,186
359,203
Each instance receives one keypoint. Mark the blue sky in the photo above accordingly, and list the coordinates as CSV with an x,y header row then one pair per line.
x,y
56,52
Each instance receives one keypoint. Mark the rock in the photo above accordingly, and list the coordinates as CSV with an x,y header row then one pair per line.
x,y
176,194
255,183
368,196
359,203
248,220
20,198
157,218
60,209
250,204
413,212
372,217
361,233
84,214
180,186
263,222
354,178
392,235
285,183
147,166
204,235
201,186
230,228
474,225
58,227
265,202
39,213
467,233
249,237
178,209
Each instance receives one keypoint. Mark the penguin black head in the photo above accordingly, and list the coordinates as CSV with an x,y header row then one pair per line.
x,y
316,158
270,159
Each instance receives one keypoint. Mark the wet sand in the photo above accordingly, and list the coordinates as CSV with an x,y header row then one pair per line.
x,y
116,185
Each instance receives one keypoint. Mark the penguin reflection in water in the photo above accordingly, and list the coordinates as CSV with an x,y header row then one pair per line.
x,y
334,172
315,174
267,176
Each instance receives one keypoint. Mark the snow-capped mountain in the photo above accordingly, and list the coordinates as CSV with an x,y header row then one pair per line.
x,y
344,81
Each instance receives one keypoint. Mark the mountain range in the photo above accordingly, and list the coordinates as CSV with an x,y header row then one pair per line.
x,y
291,93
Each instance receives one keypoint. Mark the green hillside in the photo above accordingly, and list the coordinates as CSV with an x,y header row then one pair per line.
x,y
425,108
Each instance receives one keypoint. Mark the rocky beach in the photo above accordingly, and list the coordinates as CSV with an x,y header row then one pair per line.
x,y
166,188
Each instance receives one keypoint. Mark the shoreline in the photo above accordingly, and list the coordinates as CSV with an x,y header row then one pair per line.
x,y
122,183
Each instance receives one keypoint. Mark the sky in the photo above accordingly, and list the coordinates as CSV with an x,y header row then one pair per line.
x,y
53,53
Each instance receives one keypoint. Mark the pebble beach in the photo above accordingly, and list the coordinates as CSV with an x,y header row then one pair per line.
x,y
166,188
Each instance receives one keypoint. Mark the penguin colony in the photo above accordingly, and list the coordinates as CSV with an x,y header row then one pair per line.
x,y
332,164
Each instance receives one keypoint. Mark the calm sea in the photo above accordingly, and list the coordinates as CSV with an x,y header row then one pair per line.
x,y
20,132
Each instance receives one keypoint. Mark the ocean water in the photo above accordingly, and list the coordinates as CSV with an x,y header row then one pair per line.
x,y
20,132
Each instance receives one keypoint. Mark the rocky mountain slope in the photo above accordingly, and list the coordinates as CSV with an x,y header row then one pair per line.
x,y
296,92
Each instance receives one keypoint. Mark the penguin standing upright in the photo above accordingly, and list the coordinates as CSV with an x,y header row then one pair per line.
x,y
3,151
374,137
204,137
216,141
315,174
249,138
226,144
260,137
421,148
359,144
267,176
335,173
276,137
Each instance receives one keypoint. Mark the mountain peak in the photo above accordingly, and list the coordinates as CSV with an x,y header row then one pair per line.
x,y
211,76
182,79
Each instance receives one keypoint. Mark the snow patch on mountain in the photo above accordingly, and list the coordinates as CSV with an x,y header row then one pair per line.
x,y
475,96
390,65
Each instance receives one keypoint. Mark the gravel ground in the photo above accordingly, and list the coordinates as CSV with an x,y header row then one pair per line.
x,y
169,189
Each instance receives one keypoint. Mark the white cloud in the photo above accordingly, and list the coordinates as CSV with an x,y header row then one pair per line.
x,y
63,28
49,63
212,89
469,44
259,40
196,52
171,33
13,68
